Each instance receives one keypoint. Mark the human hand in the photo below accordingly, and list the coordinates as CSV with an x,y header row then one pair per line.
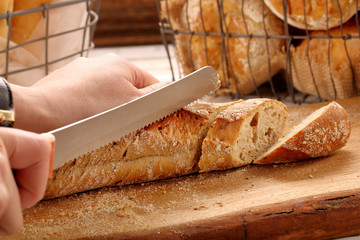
x,y
84,87
28,155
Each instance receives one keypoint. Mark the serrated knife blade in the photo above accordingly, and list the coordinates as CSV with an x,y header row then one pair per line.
x,y
91,133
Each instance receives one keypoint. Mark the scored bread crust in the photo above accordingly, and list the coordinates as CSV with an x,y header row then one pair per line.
x,y
332,79
316,17
241,61
167,148
241,133
320,134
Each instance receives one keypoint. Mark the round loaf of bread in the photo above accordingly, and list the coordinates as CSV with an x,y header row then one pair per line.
x,y
317,15
329,68
320,134
229,37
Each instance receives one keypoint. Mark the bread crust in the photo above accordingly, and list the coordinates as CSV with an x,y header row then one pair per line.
x,y
228,55
241,133
167,148
316,18
5,5
330,80
320,134
23,25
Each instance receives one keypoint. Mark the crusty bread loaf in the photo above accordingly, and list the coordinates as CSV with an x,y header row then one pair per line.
x,y
241,133
332,79
24,25
320,134
241,62
204,137
5,5
315,12
164,149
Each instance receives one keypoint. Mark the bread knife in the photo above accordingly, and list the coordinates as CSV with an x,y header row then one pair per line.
x,y
76,139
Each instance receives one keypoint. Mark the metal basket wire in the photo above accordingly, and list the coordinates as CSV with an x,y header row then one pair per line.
x,y
87,32
292,37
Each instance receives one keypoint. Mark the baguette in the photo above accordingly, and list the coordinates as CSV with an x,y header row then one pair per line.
x,y
320,134
24,25
164,149
320,14
241,133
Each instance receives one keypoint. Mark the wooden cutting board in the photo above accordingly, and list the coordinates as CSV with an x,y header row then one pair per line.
x,y
317,198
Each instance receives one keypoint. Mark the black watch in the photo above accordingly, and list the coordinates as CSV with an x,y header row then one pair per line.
x,y
7,113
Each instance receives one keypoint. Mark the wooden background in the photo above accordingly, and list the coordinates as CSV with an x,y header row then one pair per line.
x,y
127,22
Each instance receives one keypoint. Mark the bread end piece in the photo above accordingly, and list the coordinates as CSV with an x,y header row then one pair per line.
x,y
241,133
320,134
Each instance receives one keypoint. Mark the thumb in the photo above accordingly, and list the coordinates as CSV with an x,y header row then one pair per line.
x,y
29,155
152,87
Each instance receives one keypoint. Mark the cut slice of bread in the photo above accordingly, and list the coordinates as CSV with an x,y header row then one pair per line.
x,y
241,133
320,134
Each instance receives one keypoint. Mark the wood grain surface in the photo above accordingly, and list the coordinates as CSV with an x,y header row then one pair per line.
x,y
312,199
127,22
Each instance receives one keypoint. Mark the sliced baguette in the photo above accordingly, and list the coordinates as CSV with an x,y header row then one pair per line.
x,y
164,149
320,134
241,133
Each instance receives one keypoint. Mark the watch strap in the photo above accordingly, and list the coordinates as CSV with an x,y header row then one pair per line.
x,y
7,113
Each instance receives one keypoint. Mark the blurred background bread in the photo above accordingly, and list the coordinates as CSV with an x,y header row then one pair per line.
x,y
24,25
5,5
319,14
241,61
331,67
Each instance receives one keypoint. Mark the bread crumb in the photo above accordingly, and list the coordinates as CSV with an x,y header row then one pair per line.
x,y
199,207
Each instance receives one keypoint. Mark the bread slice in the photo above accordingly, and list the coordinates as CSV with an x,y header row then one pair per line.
x,y
164,149
241,133
320,134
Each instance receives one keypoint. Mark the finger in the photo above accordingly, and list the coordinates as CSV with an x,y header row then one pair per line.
x,y
153,87
142,79
10,209
29,155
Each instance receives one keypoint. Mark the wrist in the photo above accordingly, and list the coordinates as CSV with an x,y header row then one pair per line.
x,y
31,109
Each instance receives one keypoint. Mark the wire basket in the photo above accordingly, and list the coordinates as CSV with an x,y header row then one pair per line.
x,y
315,60
53,42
